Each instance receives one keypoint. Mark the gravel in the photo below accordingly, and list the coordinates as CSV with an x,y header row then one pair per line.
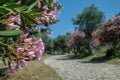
x,y
77,69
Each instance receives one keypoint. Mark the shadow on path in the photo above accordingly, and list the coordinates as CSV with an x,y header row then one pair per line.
x,y
100,59
76,57
3,71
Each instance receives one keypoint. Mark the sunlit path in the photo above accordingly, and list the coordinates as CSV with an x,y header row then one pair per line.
x,y
76,69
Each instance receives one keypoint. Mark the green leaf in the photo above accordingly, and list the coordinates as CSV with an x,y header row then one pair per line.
x,y
12,5
2,13
4,62
10,33
20,9
32,6
3,1
28,17
7,9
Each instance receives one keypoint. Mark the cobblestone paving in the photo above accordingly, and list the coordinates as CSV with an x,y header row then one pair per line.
x,y
76,69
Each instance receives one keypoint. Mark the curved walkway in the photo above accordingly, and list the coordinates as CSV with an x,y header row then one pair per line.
x,y
76,69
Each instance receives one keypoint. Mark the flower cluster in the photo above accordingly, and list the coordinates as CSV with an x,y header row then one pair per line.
x,y
25,16
47,15
96,38
76,39
111,30
11,23
34,49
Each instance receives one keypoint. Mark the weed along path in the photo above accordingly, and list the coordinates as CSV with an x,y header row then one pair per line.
x,y
77,69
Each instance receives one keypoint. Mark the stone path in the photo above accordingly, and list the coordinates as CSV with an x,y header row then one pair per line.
x,y
76,69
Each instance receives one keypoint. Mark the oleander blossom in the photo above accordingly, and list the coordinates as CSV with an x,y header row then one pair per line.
x,y
39,3
96,38
54,1
34,48
16,19
39,49
11,69
38,29
24,35
22,44
22,64
14,22
31,54
20,50
111,30
28,40
38,55
12,26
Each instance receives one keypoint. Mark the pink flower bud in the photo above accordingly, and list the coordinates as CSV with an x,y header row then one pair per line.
x,y
11,69
31,55
38,55
20,50
28,40
22,64
24,35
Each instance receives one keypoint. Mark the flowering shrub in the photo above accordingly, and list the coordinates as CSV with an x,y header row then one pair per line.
x,y
19,20
95,38
76,41
111,30
110,34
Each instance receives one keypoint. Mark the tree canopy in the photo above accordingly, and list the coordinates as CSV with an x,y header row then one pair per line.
x,y
89,19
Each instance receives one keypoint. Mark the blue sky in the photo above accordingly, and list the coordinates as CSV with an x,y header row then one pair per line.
x,y
72,7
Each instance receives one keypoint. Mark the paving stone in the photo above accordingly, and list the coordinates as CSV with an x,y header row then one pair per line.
x,y
75,69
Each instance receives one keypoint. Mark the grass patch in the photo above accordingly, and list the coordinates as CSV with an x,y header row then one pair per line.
x,y
97,57
35,70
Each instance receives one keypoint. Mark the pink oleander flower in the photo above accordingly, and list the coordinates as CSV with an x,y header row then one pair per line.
x,y
24,35
16,19
11,69
31,54
54,1
46,18
38,29
19,2
28,40
12,26
20,50
22,64
54,13
38,55
39,3
45,7
40,45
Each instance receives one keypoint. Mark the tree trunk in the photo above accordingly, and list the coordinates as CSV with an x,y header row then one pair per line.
x,y
90,47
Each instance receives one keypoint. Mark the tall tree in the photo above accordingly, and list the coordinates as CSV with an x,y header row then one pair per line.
x,y
60,44
89,20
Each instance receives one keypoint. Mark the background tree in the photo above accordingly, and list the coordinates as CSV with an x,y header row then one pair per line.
x,y
60,44
48,43
89,20
76,42
110,34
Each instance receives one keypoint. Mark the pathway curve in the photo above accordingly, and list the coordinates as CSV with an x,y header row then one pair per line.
x,y
76,69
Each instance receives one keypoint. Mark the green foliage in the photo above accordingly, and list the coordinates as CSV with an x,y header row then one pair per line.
x,y
88,21
10,33
48,42
60,44
19,20
76,41
110,34
84,51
